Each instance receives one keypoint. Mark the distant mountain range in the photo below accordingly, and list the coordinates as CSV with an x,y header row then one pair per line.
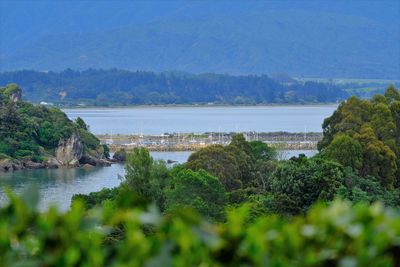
x,y
358,39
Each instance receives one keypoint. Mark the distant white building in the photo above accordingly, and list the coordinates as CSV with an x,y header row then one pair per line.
x,y
46,104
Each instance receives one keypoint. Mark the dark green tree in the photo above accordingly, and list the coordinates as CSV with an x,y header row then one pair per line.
x,y
375,125
81,123
261,151
378,159
346,151
199,190
218,162
146,177
298,183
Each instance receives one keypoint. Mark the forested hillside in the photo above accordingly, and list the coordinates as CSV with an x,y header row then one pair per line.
x,y
118,87
356,39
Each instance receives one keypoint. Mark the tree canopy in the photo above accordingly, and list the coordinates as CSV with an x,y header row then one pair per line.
x,y
364,135
119,87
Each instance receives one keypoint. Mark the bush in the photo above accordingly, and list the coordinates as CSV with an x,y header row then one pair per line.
x,y
338,234
199,190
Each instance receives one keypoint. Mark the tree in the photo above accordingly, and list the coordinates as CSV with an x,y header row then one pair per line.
x,y
298,183
378,159
392,94
347,119
239,141
245,163
375,125
81,123
10,119
382,123
261,151
359,189
218,162
199,190
346,151
146,177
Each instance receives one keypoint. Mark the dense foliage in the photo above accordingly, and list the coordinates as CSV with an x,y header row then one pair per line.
x,y
300,182
365,135
135,234
33,131
117,87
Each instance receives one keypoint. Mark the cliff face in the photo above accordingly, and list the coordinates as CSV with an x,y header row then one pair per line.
x,y
16,95
69,151
13,92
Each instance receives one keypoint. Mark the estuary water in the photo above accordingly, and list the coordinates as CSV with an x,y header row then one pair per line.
x,y
57,186
157,120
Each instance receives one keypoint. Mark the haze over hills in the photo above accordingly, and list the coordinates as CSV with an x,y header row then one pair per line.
x,y
358,39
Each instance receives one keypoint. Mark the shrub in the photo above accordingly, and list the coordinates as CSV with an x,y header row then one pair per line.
x,y
338,234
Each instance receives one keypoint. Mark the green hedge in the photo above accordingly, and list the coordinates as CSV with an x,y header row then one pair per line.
x,y
338,234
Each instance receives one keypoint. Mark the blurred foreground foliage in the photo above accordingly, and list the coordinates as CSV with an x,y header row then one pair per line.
x,y
131,232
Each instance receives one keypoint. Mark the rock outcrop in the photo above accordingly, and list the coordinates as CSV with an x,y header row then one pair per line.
x,y
12,92
10,165
28,164
53,163
94,161
69,151
6,165
120,156
16,95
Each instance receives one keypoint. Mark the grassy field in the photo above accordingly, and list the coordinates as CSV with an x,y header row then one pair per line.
x,y
360,87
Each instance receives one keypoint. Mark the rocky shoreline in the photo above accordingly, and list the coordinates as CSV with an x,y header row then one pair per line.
x,y
69,153
15,165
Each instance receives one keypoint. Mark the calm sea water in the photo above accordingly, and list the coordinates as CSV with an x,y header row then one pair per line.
x,y
156,120
57,186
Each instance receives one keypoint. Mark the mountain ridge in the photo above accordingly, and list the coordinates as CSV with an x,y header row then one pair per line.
x,y
304,42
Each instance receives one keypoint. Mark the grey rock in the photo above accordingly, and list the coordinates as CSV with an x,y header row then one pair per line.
x,y
52,163
88,159
33,165
120,156
87,166
69,151
16,95
6,165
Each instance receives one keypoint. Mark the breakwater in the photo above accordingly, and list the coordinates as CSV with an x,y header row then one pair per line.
x,y
196,141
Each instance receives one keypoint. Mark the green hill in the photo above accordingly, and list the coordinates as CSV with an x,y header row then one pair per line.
x,y
308,40
42,137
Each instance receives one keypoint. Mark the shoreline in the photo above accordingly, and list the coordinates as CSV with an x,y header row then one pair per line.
x,y
194,142
114,161
199,106
13,165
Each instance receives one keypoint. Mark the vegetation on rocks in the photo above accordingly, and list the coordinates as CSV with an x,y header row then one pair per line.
x,y
34,132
